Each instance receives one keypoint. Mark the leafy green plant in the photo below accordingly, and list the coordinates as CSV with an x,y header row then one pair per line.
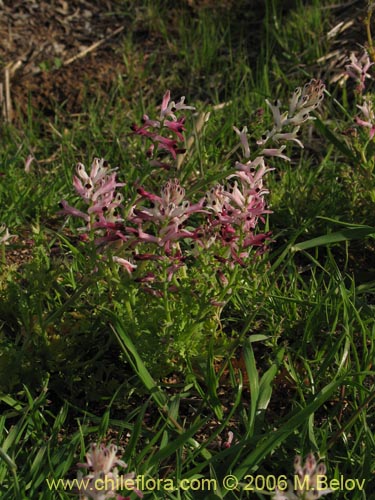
x,y
157,230
224,369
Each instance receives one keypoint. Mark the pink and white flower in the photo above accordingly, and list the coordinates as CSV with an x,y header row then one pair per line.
x,y
358,69
306,486
4,239
369,116
102,474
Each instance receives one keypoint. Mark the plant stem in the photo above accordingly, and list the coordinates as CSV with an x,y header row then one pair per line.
x,y
367,23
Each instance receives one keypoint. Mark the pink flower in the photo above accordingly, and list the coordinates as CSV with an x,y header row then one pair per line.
x,y
256,240
97,183
68,210
170,205
252,172
106,204
228,442
126,264
147,124
165,143
244,141
98,190
369,125
102,459
165,109
168,107
216,199
30,158
369,115
155,131
237,209
275,152
148,238
278,118
288,136
168,211
358,69
303,102
176,126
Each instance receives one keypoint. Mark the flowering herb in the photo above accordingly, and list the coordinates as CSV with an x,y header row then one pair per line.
x,y
228,213
307,481
358,69
165,133
169,241
102,478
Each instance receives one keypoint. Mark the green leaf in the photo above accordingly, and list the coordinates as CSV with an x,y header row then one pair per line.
x,y
212,384
7,459
252,373
265,387
182,440
139,367
356,233
273,440
330,136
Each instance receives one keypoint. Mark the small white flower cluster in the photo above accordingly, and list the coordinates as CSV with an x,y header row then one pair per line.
x,y
358,69
99,483
306,481
4,239
304,100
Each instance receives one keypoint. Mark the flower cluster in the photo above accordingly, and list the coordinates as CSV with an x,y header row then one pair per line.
x,y
230,214
358,69
168,212
168,227
102,478
304,100
98,190
306,484
242,204
234,211
168,123
368,120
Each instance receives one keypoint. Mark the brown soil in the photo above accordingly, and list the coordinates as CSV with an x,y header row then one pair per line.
x,y
49,50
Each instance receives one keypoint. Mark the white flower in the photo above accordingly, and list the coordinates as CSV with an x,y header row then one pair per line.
x,y
101,482
6,236
244,141
306,481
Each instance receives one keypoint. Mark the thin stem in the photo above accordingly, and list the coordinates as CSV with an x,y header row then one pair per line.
x,y
166,296
367,22
3,260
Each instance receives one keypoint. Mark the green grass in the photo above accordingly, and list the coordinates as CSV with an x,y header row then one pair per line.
x,y
82,350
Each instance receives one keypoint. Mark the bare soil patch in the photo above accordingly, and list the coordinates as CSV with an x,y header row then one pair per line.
x,y
50,50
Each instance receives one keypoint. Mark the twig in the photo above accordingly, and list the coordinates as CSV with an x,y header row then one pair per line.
x,y
8,102
2,103
367,23
92,47
201,120
199,124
